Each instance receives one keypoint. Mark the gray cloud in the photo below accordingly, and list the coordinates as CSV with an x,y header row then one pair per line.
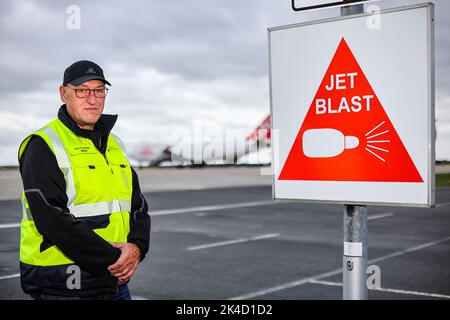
x,y
170,62
198,39
201,39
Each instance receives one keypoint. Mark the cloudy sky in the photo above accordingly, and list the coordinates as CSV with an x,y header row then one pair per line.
x,y
174,65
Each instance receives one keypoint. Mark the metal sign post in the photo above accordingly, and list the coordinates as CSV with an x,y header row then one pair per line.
x,y
353,129
355,253
352,9
355,231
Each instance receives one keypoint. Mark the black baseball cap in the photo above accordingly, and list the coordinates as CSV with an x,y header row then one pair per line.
x,y
82,71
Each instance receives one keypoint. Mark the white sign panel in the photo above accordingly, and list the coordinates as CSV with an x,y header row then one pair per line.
x,y
354,109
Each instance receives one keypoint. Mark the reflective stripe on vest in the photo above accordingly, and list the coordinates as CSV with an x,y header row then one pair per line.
x,y
63,162
99,208
87,209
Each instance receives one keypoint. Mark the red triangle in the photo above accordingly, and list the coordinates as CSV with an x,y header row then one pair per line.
x,y
323,154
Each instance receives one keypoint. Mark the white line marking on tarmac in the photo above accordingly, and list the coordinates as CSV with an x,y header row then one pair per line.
x,y
327,283
332,273
9,225
213,208
417,293
379,216
286,285
441,205
224,243
188,210
133,297
412,249
16,275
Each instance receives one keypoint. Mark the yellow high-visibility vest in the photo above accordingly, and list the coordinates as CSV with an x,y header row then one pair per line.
x,y
95,185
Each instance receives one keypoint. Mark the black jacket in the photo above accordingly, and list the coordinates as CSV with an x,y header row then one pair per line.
x,y
75,236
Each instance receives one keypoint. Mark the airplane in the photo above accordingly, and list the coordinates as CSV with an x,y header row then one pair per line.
x,y
150,154
227,148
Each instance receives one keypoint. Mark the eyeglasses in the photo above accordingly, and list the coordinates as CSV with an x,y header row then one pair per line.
x,y
84,93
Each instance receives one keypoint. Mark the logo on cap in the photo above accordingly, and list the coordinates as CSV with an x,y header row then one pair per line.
x,y
90,70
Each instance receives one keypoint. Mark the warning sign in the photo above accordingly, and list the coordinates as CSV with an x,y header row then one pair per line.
x,y
346,134
352,109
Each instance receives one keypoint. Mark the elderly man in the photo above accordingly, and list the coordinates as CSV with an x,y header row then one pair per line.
x,y
85,225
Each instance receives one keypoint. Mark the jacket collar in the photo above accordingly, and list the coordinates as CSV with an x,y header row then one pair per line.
x,y
103,126
99,135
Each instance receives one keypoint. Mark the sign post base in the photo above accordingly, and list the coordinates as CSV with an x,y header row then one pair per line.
x,y
355,253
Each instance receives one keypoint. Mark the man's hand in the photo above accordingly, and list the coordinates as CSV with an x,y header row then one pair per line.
x,y
127,263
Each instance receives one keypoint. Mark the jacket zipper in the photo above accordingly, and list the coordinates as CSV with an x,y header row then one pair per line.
x,y
109,174
111,179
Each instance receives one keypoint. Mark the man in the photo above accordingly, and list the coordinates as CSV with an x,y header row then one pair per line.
x,y
85,225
